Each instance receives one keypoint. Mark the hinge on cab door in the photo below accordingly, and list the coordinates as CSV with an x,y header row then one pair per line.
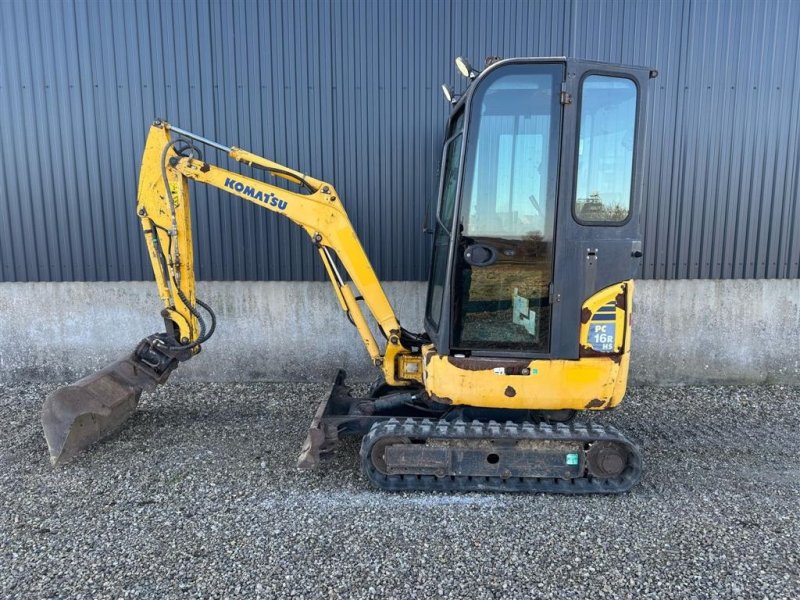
x,y
566,97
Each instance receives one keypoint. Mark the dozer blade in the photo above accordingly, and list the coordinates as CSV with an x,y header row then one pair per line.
x,y
76,416
322,437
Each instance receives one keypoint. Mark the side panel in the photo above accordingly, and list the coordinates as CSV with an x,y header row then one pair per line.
x,y
605,319
595,249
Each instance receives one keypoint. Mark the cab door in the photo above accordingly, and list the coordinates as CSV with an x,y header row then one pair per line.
x,y
505,244
599,235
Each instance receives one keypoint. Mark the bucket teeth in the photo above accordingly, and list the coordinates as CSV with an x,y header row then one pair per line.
x,y
76,416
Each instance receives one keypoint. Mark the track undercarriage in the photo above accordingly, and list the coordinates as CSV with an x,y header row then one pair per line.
x,y
413,443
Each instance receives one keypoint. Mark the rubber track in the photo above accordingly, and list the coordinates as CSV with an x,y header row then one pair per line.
x,y
432,429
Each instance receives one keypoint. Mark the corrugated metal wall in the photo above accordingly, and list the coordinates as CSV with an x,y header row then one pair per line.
x,y
348,91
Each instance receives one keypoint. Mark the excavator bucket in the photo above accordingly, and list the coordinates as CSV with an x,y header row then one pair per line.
x,y
76,416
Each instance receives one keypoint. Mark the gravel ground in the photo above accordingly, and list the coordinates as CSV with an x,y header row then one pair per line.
x,y
199,496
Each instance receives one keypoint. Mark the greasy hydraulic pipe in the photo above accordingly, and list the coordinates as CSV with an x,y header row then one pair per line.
x,y
201,139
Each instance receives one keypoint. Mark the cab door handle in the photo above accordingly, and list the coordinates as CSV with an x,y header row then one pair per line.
x,y
479,255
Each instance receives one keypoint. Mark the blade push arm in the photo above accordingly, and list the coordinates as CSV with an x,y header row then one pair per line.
x,y
164,211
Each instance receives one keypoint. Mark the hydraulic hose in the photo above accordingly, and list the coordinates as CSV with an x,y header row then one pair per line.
x,y
205,335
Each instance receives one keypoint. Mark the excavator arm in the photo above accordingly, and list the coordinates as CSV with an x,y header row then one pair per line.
x,y
76,416
164,210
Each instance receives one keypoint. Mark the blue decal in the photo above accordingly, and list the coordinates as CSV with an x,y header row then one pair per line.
x,y
604,317
267,198
602,336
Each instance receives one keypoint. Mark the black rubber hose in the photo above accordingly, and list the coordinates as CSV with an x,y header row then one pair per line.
x,y
204,335
393,401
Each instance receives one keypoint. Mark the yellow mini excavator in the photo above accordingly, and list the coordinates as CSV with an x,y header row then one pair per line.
x,y
528,318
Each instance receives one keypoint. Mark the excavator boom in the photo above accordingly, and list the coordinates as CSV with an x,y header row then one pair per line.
x,y
78,415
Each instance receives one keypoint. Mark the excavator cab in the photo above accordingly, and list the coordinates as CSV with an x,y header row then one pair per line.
x,y
538,212
528,314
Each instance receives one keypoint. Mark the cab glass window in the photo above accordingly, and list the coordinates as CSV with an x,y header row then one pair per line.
x,y
447,203
503,264
605,149
456,124
450,182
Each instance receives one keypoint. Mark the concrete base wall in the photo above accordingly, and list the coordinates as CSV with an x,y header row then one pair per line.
x,y
696,331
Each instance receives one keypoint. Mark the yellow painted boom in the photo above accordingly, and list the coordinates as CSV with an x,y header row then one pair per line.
x,y
164,210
